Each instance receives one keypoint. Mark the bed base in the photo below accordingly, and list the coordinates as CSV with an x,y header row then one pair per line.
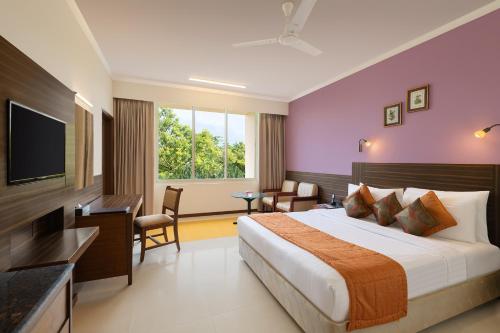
x,y
423,311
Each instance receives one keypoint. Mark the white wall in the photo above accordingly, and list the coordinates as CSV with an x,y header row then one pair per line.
x,y
200,196
49,33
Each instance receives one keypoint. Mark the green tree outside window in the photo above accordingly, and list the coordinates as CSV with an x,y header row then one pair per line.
x,y
175,151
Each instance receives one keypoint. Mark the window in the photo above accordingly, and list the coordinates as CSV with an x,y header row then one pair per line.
x,y
235,146
209,142
200,144
175,152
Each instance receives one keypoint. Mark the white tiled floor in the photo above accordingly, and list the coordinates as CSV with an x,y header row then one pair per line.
x,y
206,288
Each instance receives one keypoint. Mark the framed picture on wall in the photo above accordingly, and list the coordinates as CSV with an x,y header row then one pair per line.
x,y
393,115
417,99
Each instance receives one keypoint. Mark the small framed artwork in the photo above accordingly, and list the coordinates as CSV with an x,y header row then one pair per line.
x,y
393,115
417,99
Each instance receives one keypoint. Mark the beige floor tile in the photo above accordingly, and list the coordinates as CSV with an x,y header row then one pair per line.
x,y
485,318
200,326
207,288
266,317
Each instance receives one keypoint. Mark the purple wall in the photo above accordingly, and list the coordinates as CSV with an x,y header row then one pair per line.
x,y
463,70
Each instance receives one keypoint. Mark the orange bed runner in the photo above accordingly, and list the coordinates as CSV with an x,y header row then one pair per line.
x,y
376,283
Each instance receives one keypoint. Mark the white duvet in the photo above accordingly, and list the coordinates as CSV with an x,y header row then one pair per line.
x,y
430,263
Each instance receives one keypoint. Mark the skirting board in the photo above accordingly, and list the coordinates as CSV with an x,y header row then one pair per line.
x,y
226,212
423,311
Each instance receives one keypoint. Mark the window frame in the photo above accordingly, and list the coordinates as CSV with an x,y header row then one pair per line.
x,y
193,178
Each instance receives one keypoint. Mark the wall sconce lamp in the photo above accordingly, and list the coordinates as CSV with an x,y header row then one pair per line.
x,y
482,133
365,142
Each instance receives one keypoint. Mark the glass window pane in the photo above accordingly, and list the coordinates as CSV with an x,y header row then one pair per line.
x,y
175,143
209,144
235,146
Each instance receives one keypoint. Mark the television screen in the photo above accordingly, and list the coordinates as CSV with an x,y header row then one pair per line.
x,y
36,147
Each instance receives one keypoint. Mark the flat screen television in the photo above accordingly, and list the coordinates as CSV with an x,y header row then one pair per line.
x,y
36,145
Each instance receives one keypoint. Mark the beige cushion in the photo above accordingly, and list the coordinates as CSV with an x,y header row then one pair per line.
x,y
301,206
307,190
289,186
169,199
283,205
267,201
152,220
286,198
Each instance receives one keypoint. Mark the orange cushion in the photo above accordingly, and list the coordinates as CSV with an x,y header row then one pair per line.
x,y
355,206
436,208
367,196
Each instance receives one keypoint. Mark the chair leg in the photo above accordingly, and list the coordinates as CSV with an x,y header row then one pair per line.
x,y
165,234
143,244
176,235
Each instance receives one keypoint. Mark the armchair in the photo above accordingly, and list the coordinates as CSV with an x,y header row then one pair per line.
x,y
306,198
289,187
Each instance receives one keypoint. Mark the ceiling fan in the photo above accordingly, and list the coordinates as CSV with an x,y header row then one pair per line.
x,y
294,24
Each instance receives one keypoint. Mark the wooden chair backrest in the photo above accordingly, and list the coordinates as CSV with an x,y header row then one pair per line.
x,y
171,200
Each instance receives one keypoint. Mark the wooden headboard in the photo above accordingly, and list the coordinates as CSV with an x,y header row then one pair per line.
x,y
445,177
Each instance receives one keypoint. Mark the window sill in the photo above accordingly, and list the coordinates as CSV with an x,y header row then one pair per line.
x,y
206,181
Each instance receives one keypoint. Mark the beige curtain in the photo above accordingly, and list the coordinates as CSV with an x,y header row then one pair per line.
x,y
272,167
134,149
84,148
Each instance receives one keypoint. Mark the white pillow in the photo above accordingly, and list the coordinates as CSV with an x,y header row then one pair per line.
x,y
378,193
482,219
468,209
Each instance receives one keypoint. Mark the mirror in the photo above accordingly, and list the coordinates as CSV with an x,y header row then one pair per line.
x,y
84,148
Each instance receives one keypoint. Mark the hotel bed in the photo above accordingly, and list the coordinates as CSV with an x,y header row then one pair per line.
x,y
444,277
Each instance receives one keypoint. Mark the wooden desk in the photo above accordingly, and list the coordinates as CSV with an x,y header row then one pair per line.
x,y
111,253
60,247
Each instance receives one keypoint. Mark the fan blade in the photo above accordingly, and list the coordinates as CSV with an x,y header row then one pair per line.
x,y
304,46
299,19
257,42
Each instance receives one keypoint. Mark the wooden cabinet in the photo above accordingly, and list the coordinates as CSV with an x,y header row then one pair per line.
x,y
37,300
111,253
57,316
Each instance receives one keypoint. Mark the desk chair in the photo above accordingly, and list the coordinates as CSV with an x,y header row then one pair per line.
x,y
142,224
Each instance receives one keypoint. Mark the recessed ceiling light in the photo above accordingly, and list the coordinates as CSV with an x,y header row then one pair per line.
x,y
217,83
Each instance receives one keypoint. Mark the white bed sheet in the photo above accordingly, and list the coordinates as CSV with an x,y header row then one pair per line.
x,y
430,263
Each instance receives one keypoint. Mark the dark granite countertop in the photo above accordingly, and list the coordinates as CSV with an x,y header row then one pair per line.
x,y
24,295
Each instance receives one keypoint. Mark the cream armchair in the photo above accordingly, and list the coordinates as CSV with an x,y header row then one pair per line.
x,y
306,198
289,187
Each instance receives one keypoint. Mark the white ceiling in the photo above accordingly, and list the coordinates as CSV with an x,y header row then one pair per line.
x,y
171,40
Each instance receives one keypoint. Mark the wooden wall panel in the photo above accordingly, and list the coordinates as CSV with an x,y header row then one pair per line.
x,y
445,177
4,252
23,81
327,183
